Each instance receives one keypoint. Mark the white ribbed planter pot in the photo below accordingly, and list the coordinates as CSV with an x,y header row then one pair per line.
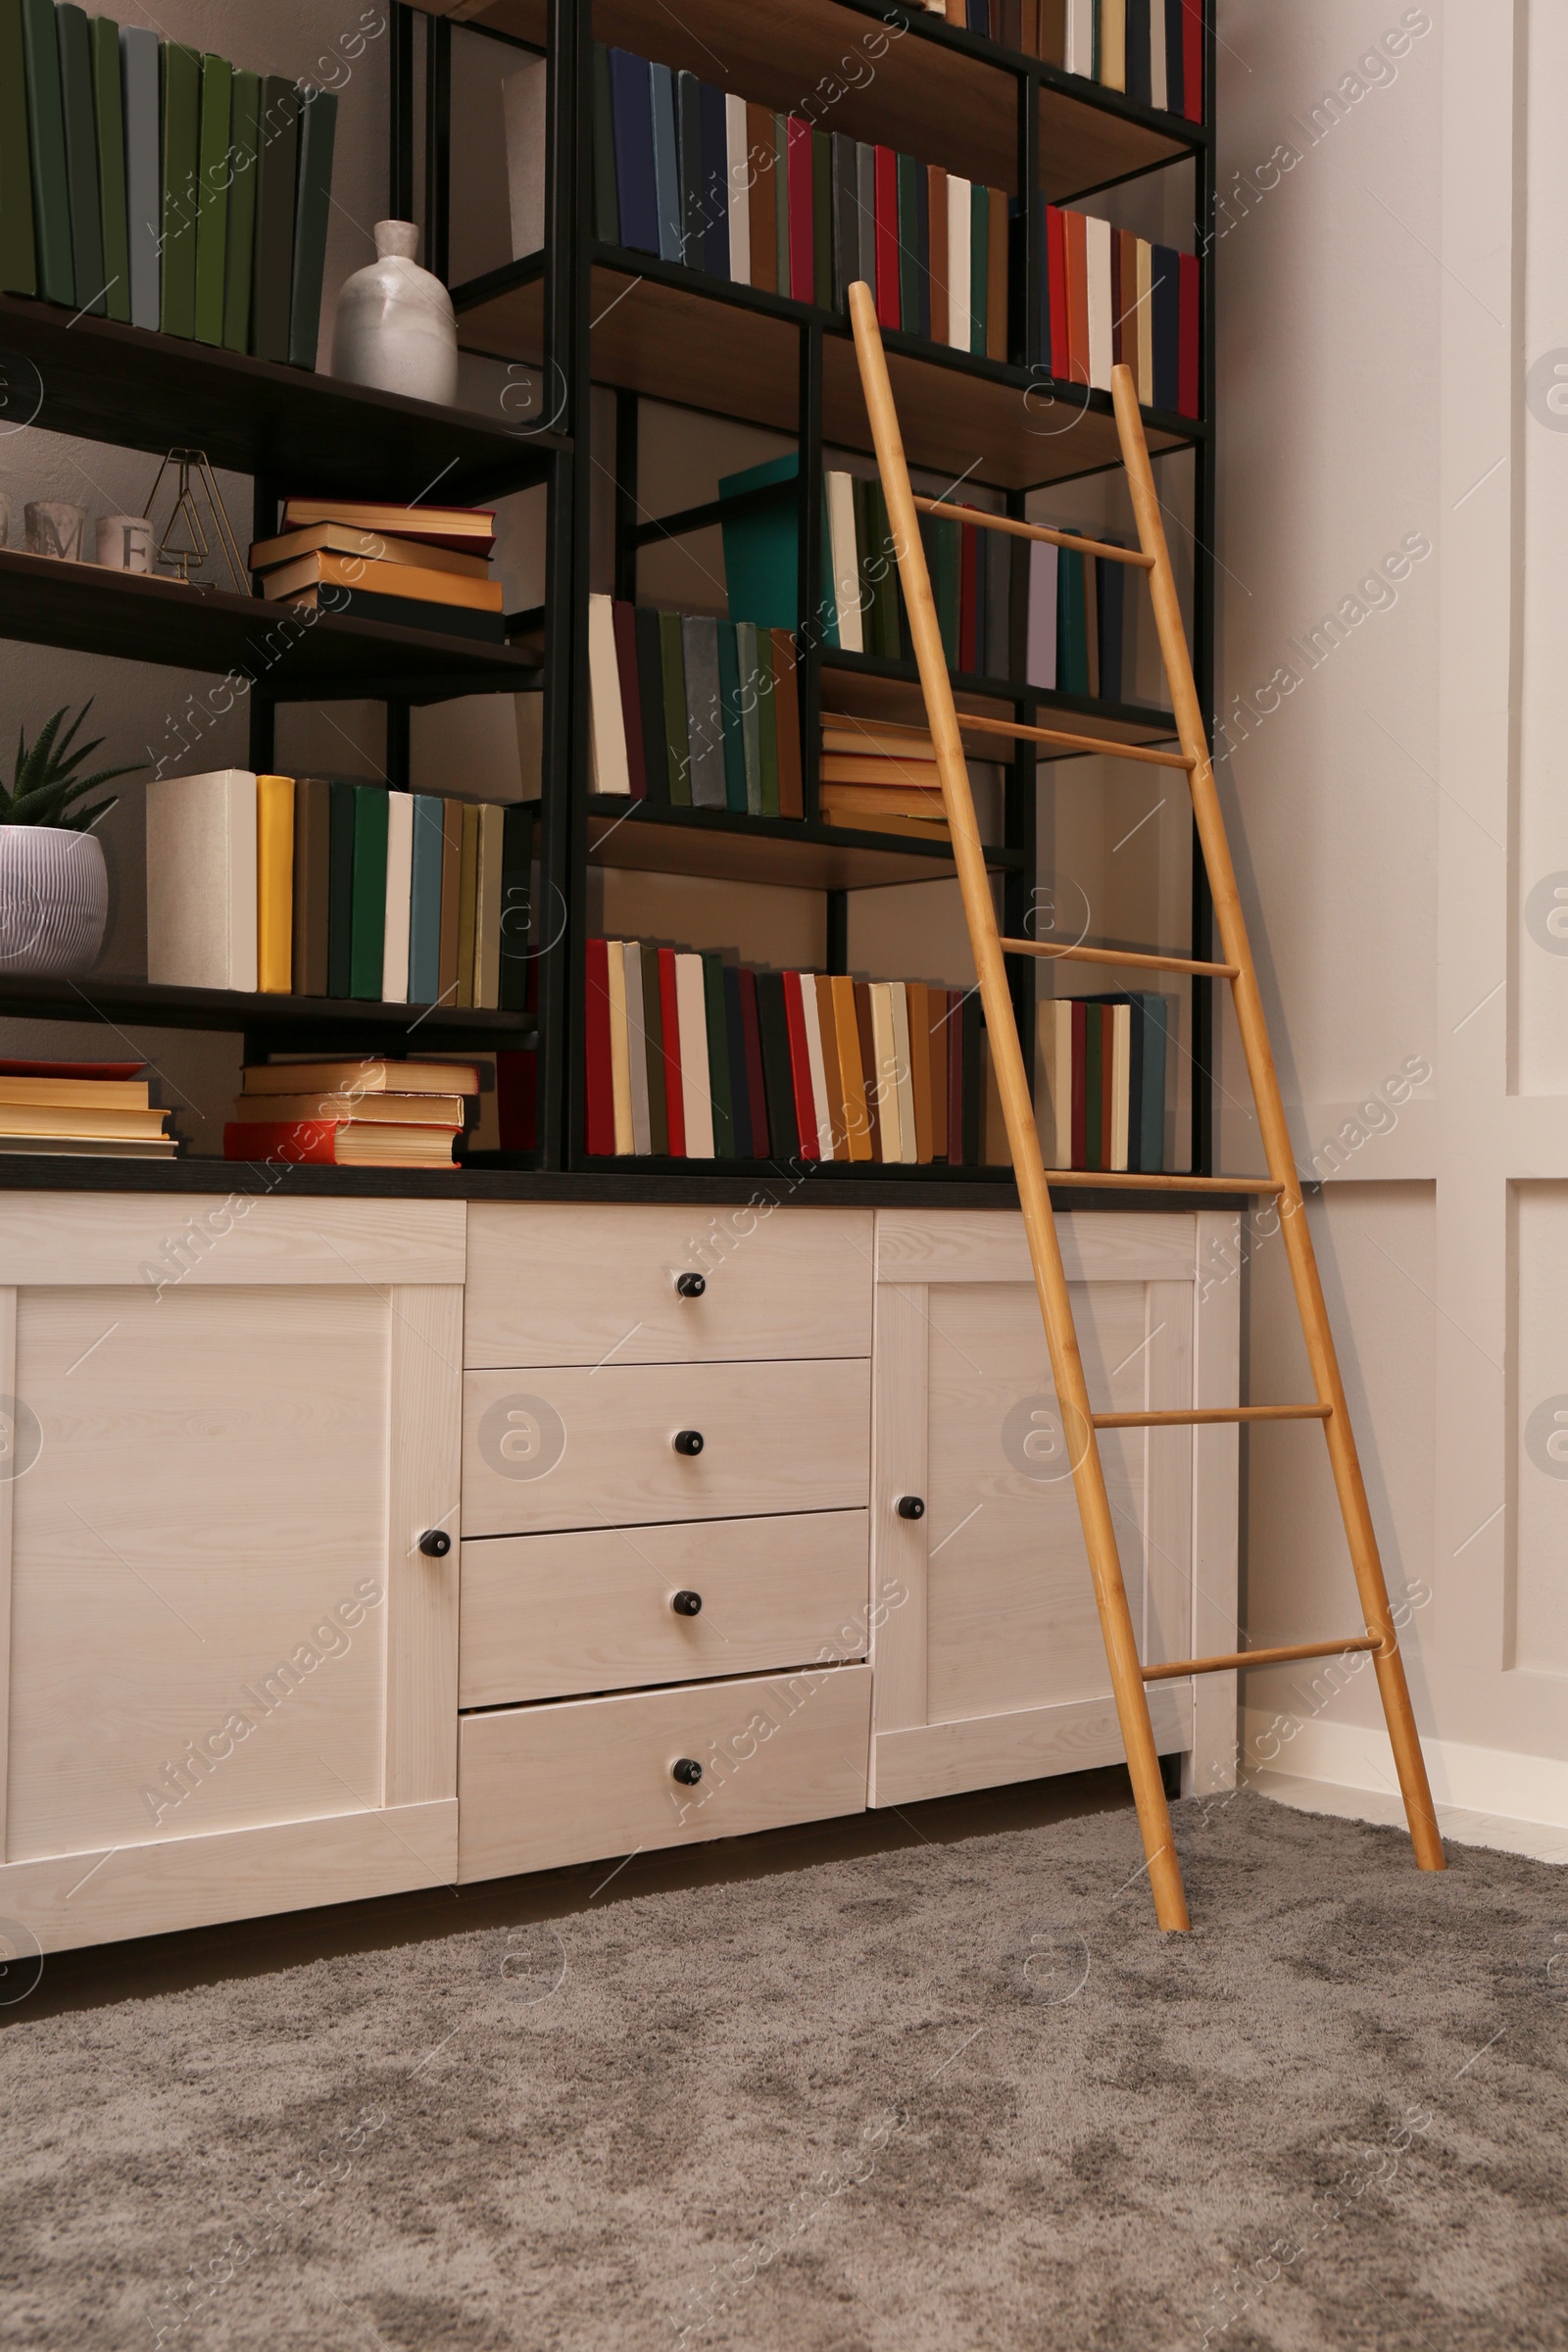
x,y
54,898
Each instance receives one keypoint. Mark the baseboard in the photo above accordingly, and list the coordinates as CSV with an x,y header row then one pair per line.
x,y
1483,1779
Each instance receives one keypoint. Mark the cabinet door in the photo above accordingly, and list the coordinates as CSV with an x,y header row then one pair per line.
x,y
233,1674
989,1661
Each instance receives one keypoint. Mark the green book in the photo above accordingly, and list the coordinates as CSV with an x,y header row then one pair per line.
x,y
768,727
762,543
1072,623
181,146
730,718
239,248
908,184
750,714
367,924
821,219
673,675
18,261
606,195
81,155
943,557
979,265
109,114
781,203
312,211
654,1036
46,144
212,196
719,1054
340,889
516,904
888,636
272,278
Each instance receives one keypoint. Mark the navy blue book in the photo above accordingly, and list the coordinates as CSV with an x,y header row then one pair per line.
x,y
979,16
631,102
689,150
729,697
1175,88
716,183
666,165
1138,56
1165,311
1110,580
740,1104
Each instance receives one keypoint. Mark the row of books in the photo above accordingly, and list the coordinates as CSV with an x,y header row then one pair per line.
x,y
418,568
350,1114
1108,297
81,1110
320,886
151,183
690,1057
703,177
1152,49
688,711
1104,1062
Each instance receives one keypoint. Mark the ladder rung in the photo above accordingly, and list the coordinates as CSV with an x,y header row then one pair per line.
x,y
1258,1657
1164,1184
1200,1414
1145,963
1035,530
1105,744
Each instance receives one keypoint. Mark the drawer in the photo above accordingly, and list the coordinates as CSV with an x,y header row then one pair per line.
x,y
566,1285
590,1778
549,1616
567,1449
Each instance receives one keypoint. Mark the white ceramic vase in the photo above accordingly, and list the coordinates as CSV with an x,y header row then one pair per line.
x,y
54,898
395,327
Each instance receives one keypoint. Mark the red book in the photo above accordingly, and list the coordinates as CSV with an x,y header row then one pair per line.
x,y
955,1034
1056,266
1077,275
1188,337
801,237
787,724
631,698
1080,1076
887,237
669,1034
968,598
1192,62
599,1100
801,1068
756,1085
517,1099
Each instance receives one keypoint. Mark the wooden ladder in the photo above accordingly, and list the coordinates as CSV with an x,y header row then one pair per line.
x,y
1081,1423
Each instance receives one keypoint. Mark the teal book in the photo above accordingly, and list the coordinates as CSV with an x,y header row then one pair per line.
x,y
81,155
746,656
312,211
516,904
273,270
979,265
1157,1011
341,890
424,902
368,931
46,145
672,677
212,196
140,51
719,1087
607,194
181,136
729,696
19,258
109,115
239,244
762,542
1072,623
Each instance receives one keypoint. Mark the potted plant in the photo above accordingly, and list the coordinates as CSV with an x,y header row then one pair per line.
x,y
54,888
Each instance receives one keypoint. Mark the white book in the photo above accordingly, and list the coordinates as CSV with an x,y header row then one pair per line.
x,y
201,881
691,1013
619,1046
1159,88
1146,322
399,891
1054,1094
1080,36
642,1132
908,1139
606,724
959,325
1121,1081
740,203
1097,268
818,1067
522,101
846,564
884,1045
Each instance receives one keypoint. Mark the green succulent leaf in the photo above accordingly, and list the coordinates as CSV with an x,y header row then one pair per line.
x,y
46,787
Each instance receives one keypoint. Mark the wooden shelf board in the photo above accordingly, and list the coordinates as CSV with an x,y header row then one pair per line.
x,y
105,382
387,1028
792,855
138,619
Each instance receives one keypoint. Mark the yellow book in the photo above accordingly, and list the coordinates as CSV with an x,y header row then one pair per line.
x,y
487,909
275,885
468,902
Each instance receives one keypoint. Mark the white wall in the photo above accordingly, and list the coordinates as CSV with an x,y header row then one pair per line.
x,y
1382,297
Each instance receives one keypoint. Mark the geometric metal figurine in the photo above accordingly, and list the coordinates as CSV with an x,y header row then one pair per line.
x,y
1082,1424
185,554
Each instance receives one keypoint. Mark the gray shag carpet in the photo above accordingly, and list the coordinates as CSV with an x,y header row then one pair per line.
x,y
952,2095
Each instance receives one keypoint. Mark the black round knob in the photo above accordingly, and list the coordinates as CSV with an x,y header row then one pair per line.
x,y
435,1542
687,1604
687,1771
909,1506
688,1441
691,1286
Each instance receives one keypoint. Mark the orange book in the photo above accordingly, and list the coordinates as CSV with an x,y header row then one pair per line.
x,y
831,1072
853,767
1075,238
764,197
873,801
850,1069
937,193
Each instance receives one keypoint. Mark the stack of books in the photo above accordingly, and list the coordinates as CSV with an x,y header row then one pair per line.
x,y
351,1114
692,1058
700,176
88,1110
1152,49
318,886
1108,297
147,182
880,778
411,568
689,711
1104,1062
